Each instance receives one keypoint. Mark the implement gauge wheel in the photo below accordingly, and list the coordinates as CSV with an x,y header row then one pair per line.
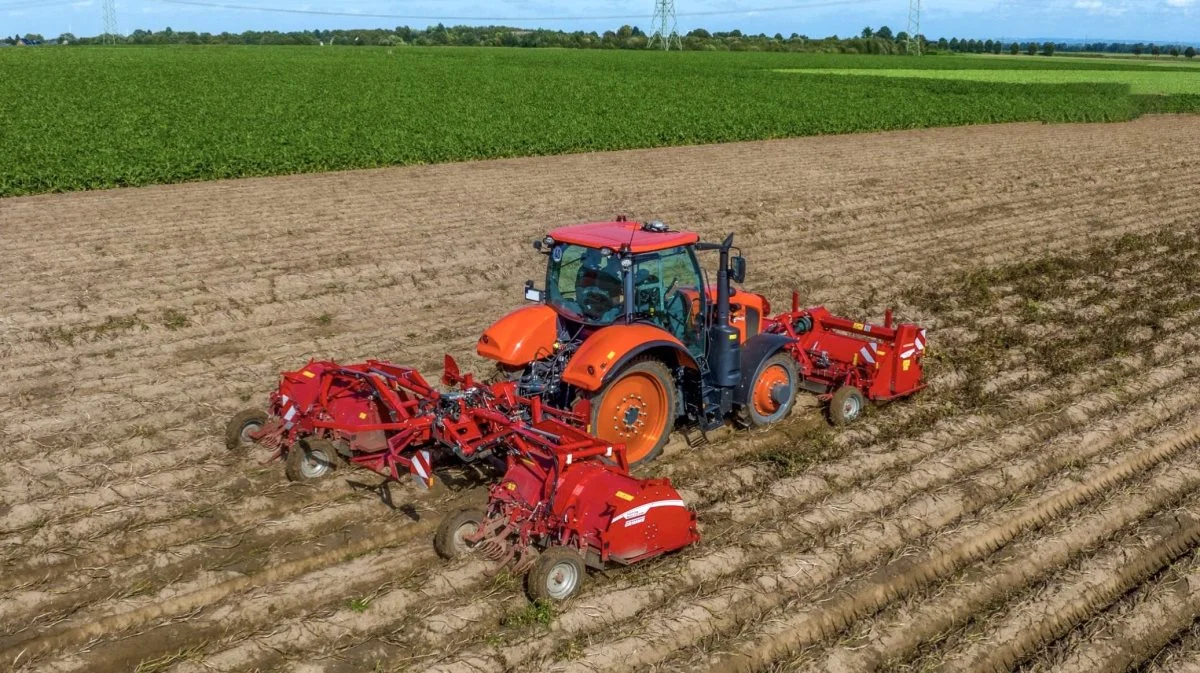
x,y
637,408
556,575
847,406
237,432
311,459
450,542
772,393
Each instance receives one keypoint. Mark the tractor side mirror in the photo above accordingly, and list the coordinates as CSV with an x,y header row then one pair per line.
x,y
537,245
737,269
531,293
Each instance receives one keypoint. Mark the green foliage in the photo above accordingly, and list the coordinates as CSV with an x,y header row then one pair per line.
x,y
359,605
540,613
92,117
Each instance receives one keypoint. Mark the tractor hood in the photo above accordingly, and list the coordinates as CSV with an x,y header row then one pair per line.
x,y
522,336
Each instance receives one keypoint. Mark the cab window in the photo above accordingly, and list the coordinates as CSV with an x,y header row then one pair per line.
x,y
584,284
666,292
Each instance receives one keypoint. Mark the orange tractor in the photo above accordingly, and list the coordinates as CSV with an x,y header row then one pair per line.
x,y
629,334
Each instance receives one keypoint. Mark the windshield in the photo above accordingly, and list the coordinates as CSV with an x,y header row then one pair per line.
x,y
584,284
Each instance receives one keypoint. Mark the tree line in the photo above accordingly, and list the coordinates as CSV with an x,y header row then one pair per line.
x,y
870,41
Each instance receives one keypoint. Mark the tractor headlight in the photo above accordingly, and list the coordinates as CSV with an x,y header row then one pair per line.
x,y
548,242
626,263
606,252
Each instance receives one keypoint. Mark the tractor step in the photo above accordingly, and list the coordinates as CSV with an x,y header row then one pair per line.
x,y
695,436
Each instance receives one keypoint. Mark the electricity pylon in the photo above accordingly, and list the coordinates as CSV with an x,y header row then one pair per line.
x,y
914,27
664,27
110,22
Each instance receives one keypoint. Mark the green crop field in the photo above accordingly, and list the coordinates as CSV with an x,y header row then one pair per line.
x,y
83,118
1139,82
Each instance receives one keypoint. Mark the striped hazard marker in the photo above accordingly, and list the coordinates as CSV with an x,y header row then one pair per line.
x,y
422,469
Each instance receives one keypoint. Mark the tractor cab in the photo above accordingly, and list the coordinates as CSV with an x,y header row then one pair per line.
x,y
624,272
628,324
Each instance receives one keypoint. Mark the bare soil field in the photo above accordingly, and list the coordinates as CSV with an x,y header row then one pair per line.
x,y
1036,508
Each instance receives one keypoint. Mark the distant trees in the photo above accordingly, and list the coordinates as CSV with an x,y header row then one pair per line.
x,y
869,41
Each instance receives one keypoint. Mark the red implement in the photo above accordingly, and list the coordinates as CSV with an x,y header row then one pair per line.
x,y
846,361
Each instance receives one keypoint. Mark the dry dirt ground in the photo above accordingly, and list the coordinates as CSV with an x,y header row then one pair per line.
x,y
1035,508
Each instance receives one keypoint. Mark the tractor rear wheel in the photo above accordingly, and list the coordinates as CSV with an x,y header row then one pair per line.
x,y
637,408
237,432
556,575
772,392
450,541
846,406
309,460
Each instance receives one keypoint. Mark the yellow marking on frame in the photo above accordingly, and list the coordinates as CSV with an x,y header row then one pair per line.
x,y
612,354
858,325
855,359
362,415
308,375
906,362
733,337
624,496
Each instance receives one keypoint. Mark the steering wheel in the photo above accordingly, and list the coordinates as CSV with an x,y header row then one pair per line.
x,y
675,311
594,301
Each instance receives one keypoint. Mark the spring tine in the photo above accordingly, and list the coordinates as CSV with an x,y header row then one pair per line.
x,y
524,561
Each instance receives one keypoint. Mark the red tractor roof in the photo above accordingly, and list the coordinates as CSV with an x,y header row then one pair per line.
x,y
617,235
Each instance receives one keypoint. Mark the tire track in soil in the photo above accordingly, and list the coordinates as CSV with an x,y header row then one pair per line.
x,y
896,635
1076,596
1143,624
906,575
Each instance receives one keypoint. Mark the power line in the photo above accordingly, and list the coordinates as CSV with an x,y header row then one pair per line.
x,y
411,17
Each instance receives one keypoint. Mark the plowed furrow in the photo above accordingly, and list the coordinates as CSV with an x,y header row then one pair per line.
x,y
1024,563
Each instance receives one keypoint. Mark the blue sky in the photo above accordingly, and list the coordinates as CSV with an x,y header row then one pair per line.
x,y
1148,20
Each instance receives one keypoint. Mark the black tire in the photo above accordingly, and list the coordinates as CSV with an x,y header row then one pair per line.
x,y
240,424
784,394
604,428
847,406
308,460
557,575
448,542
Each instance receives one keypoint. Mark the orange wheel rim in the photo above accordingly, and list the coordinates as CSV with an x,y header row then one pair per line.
x,y
634,413
765,402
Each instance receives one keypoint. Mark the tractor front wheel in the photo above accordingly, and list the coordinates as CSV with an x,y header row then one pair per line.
x,y
308,460
637,408
772,392
237,432
556,575
450,542
846,406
